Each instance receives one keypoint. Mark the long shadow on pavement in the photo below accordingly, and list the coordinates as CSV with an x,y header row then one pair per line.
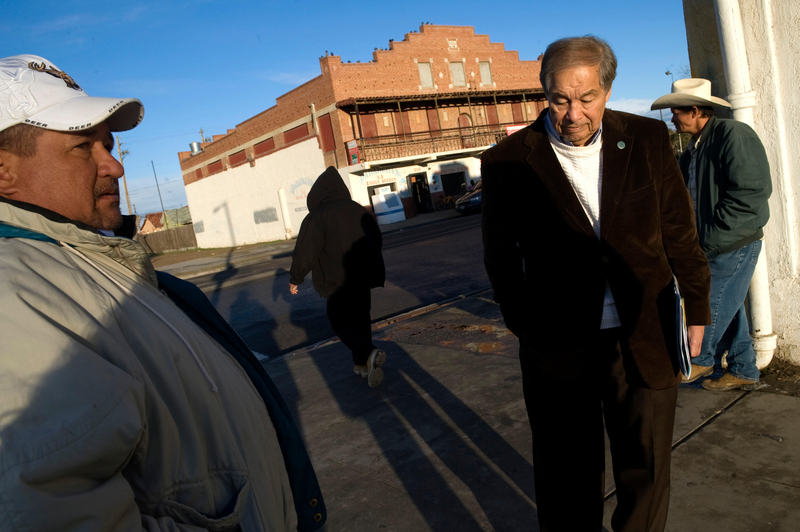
x,y
439,435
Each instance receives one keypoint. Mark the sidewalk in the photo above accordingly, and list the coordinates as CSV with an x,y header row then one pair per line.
x,y
443,444
189,264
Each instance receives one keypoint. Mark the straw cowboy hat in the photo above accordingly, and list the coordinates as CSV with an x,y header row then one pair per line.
x,y
687,93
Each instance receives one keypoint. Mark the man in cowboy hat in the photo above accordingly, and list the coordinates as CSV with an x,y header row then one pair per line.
x,y
726,170
126,401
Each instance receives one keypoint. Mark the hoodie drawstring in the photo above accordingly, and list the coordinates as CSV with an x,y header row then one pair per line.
x,y
148,307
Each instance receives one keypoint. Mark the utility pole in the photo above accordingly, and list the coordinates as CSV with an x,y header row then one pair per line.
x,y
122,153
202,138
157,188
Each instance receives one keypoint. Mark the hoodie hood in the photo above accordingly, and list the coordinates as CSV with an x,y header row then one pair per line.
x,y
329,186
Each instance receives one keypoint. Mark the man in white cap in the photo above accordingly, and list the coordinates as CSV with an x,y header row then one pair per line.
x,y
726,170
126,401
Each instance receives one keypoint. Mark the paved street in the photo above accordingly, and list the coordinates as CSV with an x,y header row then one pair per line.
x,y
443,444
423,266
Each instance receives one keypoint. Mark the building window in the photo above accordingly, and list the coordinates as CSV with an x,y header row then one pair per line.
x,y
296,133
425,75
457,74
215,167
240,157
326,133
263,147
486,73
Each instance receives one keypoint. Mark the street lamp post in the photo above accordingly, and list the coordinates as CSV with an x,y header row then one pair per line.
x,y
159,191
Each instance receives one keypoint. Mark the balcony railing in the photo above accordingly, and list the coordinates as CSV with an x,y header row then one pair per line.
x,y
396,146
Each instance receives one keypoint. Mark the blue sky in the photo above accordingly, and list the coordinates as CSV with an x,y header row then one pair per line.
x,y
214,64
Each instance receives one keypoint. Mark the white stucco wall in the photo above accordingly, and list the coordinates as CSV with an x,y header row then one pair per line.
x,y
773,51
359,184
241,205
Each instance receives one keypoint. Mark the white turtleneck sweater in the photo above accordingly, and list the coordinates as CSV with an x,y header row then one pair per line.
x,y
583,166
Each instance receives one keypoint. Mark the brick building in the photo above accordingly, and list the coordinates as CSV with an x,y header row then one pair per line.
x,y
407,125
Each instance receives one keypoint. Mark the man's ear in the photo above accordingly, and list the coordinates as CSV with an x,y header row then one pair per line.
x,y
9,179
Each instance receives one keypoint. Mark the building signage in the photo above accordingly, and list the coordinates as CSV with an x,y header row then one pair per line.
x,y
452,169
352,152
379,181
513,129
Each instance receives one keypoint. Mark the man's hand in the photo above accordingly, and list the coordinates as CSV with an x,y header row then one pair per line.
x,y
293,290
695,334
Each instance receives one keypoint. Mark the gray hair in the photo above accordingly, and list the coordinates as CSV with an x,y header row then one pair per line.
x,y
573,52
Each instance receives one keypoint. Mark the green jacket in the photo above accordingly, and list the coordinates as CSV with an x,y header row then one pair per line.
x,y
733,186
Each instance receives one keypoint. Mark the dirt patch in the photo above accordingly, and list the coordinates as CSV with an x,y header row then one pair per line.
x,y
175,257
781,377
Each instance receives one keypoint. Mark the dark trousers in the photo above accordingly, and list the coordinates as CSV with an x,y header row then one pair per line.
x,y
569,394
348,311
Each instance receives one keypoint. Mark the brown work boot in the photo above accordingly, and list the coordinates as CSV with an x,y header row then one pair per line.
x,y
698,372
727,382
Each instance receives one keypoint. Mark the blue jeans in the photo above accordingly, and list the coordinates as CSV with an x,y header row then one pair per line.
x,y
729,329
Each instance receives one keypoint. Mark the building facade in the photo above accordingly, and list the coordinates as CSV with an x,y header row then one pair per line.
x,y
404,130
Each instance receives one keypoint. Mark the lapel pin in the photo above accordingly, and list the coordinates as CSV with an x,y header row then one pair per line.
x,y
621,145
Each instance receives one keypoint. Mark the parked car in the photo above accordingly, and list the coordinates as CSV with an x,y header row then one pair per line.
x,y
471,201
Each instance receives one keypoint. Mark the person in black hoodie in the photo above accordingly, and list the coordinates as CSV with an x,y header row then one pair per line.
x,y
340,244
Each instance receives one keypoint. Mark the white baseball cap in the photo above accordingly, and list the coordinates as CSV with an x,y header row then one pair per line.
x,y
34,91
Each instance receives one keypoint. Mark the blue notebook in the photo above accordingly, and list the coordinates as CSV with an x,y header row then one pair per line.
x,y
681,333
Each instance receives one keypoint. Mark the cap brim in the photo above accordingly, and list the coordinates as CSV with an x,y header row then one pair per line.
x,y
80,113
677,99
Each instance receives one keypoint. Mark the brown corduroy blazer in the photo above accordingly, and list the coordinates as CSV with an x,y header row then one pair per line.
x,y
548,268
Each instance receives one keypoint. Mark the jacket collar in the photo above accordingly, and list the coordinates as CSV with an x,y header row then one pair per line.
x,y
706,132
125,252
617,147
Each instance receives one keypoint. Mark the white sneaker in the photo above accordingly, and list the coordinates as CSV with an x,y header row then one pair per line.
x,y
374,371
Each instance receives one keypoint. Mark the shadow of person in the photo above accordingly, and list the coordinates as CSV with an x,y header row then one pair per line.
x,y
415,434
220,277
488,468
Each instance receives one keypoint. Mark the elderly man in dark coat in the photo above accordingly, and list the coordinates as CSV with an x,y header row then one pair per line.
x,y
340,244
585,221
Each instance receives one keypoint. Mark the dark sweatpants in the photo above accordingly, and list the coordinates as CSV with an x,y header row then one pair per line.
x,y
348,312
569,394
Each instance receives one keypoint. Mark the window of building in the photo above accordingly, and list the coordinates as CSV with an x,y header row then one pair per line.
x,y
457,74
240,157
326,133
215,167
425,75
264,146
296,133
486,72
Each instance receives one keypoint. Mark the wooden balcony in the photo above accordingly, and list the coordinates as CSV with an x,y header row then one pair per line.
x,y
373,149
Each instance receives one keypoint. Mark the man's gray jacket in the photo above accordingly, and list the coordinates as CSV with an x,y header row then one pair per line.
x,y
127,402
733,186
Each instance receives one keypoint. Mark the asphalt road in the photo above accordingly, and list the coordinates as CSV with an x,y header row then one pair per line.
x,y
424,265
